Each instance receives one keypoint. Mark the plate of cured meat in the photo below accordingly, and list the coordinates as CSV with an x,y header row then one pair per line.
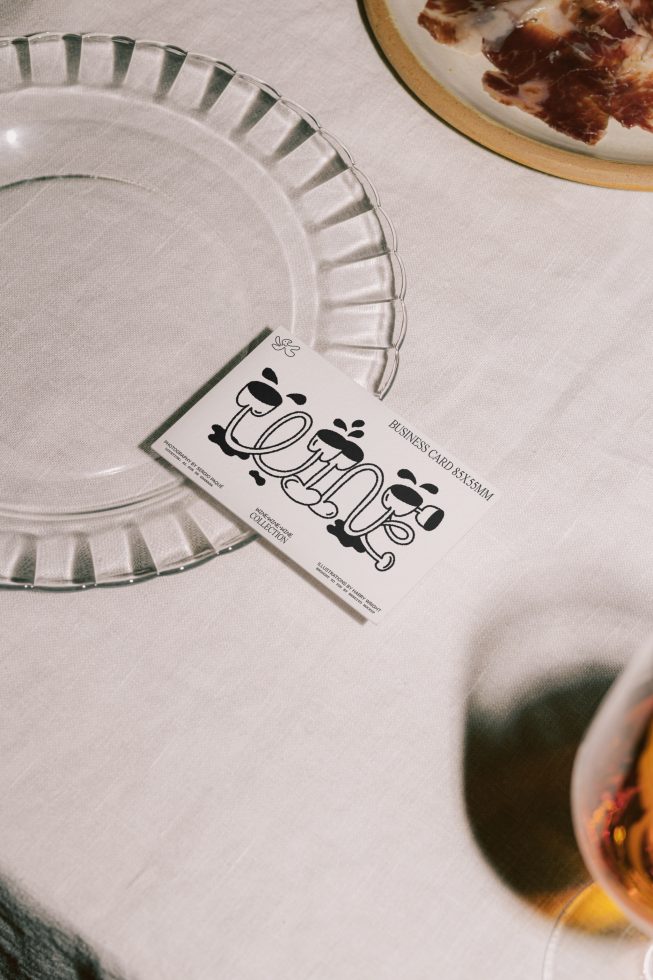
x,y
563,86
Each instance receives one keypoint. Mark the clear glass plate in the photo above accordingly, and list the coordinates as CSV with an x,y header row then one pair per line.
x,y
158,211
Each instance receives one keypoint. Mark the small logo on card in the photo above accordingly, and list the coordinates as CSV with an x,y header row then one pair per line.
x,y
286,345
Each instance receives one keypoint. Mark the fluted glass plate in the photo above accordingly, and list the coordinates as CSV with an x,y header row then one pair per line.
x,y
158,211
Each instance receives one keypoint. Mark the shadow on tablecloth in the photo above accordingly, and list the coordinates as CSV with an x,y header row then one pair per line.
x,y
533,689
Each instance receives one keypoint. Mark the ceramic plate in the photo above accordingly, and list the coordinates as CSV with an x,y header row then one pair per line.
x,y
449,82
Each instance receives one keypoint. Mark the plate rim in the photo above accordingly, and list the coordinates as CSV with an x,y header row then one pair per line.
x,y
483,130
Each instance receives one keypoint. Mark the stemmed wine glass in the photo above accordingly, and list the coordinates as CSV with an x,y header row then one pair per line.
x,y
612,806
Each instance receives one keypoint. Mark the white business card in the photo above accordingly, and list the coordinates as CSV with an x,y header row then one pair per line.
x,y
327,473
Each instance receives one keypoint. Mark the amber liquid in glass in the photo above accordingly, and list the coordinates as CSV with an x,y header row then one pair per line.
x,y
623,824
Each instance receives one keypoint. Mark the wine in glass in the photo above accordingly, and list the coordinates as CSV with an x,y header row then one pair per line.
x,y
612,806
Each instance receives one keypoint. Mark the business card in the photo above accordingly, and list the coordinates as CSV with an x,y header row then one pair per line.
x,y
327,473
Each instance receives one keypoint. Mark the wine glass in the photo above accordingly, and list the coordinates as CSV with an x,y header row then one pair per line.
x,y
612,806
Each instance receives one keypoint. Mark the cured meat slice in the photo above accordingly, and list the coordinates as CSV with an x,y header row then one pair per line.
x,y
632,99
466,23
557,76
639,13
574,64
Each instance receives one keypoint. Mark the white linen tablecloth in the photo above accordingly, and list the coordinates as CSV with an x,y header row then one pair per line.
x,y
209,789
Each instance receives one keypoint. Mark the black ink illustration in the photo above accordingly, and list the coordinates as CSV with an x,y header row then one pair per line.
x,y
335,451
332,474
258,398
399,501
286,345
346,540
218,437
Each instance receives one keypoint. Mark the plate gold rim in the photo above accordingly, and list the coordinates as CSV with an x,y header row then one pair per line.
x,y
522,149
